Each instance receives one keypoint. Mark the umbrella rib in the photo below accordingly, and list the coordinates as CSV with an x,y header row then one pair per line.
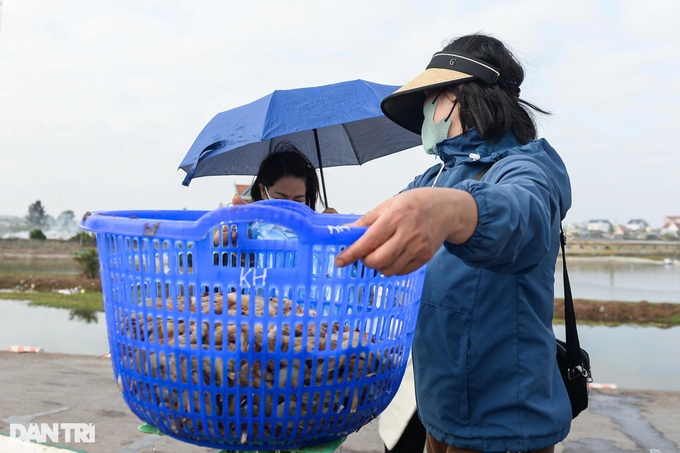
x,y
318,156
351,142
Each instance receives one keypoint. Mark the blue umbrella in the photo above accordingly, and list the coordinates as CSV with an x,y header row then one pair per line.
x,y
334,125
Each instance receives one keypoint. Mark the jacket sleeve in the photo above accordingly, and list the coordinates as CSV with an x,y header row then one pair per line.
x,y
518,217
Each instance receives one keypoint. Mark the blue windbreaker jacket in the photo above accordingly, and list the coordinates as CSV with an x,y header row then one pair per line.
x,y
484,349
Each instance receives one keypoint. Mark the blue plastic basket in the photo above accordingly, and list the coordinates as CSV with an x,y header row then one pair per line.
x,y
308,352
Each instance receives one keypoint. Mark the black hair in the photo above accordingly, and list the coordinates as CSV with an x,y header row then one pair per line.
x,y
287,160
493,109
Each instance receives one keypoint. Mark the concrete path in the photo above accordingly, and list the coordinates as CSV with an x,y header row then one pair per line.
x,y
58,388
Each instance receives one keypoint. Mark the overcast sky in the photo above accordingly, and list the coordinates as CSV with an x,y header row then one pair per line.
x,y
101,100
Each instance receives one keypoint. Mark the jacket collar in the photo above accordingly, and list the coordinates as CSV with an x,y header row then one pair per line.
x,y
470,147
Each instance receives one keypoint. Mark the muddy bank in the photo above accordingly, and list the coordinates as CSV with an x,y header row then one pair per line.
x,y
47,282
32,248
612,312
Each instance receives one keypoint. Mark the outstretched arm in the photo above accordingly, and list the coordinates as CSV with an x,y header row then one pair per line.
x,y
407,230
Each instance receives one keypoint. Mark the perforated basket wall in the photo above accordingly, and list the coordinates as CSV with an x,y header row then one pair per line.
x,y
221,338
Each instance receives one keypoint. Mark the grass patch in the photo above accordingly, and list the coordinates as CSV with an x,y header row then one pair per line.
x,y
88,301
671,320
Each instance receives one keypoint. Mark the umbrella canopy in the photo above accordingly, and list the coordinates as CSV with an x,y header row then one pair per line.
x,y
334,125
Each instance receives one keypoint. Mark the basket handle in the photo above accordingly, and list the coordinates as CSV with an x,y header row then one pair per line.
x,y
196,225
294,206
309,226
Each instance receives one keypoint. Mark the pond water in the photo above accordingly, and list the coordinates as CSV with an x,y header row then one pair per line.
x,y
620,280
628,356
53,329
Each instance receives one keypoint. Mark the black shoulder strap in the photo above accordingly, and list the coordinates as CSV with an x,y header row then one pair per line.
x,y
574,357
480,174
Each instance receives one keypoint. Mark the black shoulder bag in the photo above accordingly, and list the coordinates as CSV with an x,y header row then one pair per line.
x,y
573,362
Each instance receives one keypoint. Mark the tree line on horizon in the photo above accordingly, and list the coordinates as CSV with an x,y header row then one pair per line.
x,y
37,222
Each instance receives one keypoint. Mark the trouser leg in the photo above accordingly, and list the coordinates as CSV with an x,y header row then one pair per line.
x,y
435,446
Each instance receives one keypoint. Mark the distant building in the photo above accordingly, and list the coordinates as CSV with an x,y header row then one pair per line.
x,y
671,226
599,226
637,225
244,191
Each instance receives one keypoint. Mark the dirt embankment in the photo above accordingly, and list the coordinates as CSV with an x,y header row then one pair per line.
x,y
612,312
47,282
37,249
22,251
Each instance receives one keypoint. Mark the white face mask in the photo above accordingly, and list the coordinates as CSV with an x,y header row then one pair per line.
x,y
433,133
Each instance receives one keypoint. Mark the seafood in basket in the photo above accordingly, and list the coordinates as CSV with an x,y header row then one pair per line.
x,y
231,335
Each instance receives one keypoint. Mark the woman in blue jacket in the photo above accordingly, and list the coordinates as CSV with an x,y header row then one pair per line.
x,y
487,222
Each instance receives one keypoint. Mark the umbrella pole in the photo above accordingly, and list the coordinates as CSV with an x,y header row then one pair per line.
x,y
318,156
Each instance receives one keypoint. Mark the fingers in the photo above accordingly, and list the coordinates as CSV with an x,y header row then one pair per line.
x,y
392,258
369,241
403,234
388,256
369,218
237,199
403,269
